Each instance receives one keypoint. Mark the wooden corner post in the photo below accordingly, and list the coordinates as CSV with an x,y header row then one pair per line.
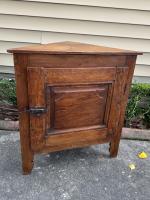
x,y
122,86
20,62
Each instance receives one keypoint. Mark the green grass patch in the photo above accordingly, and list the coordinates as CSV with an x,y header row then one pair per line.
x,y
138,108
8,91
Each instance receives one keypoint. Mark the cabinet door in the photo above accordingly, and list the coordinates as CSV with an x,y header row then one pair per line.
x,y
69,107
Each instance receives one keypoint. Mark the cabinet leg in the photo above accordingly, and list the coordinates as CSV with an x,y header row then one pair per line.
x,y
113,148
26,153
27,162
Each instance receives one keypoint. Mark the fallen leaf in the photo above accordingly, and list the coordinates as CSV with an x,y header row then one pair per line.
x,y
142,155
131,166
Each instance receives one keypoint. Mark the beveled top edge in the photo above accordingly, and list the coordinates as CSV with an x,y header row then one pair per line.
x,y
68,47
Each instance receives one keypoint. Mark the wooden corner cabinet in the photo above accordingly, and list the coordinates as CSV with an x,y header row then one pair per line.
x,y
71,95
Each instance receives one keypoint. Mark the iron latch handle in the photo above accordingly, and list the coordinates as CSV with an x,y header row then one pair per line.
x,y
36,111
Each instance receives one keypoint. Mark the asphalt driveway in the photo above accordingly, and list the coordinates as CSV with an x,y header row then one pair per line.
x,y
80,174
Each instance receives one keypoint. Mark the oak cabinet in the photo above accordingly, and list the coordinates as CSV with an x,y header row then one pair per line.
x,y
71,95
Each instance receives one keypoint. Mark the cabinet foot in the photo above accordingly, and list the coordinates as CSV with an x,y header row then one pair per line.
x,y
27,167
113,149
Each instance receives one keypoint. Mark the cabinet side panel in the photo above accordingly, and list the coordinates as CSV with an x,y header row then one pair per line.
x,y
123,86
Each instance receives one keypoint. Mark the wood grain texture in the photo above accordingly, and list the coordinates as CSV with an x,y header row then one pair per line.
x,y
72,48
64,76
76,139
75,61
79,106
116,105
36,95
123,87
20,62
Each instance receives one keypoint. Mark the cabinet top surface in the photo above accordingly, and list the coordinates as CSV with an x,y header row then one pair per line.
x,y
72,48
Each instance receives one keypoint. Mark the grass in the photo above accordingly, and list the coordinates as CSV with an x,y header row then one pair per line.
x,y
8,91
138,108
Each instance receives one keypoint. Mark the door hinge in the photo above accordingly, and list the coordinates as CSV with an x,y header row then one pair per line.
x,y
36,111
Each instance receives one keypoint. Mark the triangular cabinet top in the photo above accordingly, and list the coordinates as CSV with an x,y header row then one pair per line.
x,y
72,48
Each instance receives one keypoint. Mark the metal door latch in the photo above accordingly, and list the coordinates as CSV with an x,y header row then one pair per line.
x,y
36,111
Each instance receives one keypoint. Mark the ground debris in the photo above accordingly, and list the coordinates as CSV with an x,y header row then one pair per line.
x,y
142,155
132,166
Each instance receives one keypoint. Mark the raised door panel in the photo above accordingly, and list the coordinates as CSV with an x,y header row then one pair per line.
x,y
77,106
